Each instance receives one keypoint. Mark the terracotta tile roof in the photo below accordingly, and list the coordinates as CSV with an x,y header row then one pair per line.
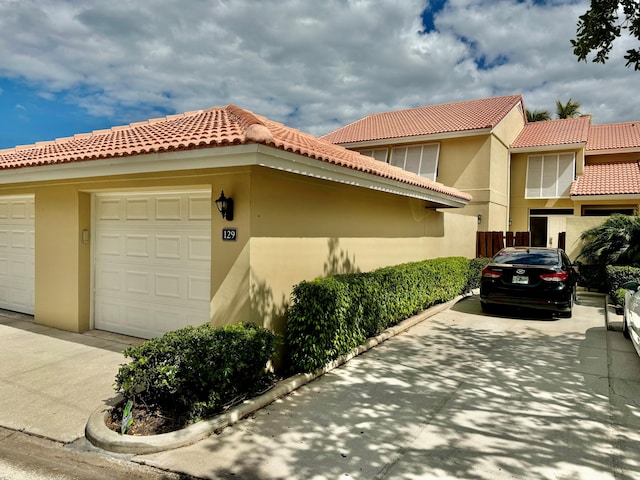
x,y
553,132
614,136
608,179
446,118
215,127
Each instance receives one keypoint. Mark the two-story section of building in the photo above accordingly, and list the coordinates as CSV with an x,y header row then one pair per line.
x,y
466,144
564,170
543,177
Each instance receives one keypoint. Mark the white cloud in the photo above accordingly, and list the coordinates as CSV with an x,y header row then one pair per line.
x,y
312,65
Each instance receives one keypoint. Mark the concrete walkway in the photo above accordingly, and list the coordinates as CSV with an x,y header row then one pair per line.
x,y
460,395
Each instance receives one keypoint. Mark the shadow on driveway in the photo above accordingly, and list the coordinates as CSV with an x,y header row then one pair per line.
x,y
462,395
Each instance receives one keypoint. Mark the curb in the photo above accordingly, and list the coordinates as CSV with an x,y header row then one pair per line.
x,y
101,436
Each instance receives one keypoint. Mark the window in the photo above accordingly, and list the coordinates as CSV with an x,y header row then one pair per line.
x,y
603,211
420,159
550,176
377,153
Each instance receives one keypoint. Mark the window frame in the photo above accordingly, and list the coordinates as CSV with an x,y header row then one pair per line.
x,y
540,187
432,173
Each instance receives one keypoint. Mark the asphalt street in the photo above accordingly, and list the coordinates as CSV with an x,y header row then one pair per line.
x,y
27,457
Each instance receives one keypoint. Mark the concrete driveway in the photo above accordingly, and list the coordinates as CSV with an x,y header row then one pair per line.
x,y
462,395
51,381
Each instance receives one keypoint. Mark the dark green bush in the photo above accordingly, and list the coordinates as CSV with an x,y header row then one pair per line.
x,y
618,299
329,317
593,277
475,272
618,276
195,371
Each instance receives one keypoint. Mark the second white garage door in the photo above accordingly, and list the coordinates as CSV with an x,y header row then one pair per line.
x,y
17,227
152,261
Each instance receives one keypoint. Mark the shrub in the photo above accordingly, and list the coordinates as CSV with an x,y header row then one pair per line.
x,y
618,276
329,317
618,299
593,277
475,272
195,371
615,242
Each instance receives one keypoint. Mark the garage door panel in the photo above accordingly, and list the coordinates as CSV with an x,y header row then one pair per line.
x,y
17,247
199,208
168,208
144,320
198,288
169,246
199,248
153,260
137,209
137,246
108,208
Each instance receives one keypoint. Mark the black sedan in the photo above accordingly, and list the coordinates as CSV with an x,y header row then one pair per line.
x,y
531,277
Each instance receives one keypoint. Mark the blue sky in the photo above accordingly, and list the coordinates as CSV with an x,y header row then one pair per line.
x,y
73,67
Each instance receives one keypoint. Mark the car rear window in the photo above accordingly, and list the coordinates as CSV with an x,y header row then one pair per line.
x,y
528,257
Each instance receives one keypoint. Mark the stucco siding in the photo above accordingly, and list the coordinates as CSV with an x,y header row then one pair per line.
x,y
289,228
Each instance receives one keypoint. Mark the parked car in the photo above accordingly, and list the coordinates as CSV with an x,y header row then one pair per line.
x,y
532,277
631,314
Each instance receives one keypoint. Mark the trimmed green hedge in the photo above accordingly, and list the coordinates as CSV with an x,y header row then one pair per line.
x,y
593,277
475,272
618,276
331,316
197,370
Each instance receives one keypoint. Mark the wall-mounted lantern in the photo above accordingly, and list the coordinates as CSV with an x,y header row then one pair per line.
x,y
225,206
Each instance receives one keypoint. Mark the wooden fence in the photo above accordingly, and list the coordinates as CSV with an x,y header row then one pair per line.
x,y
489,243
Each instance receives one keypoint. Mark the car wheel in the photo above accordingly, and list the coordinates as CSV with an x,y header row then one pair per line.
x,y
565,313
625,327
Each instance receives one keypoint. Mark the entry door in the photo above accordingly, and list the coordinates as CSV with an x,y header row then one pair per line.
x,y
555,225
546,229
17,248
152,261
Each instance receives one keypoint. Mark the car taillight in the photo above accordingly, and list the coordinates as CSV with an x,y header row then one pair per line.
x,y
488,273
555,277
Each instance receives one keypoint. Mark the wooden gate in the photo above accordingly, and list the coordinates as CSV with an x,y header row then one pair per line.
x,y
489,243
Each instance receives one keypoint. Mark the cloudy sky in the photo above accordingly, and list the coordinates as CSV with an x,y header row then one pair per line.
x,y
73,66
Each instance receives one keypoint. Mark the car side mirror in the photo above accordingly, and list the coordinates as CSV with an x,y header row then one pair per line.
x,y
633,286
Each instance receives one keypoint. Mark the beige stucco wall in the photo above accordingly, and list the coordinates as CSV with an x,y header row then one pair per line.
x,y
519,205
290,228
479,165
304,228
575,227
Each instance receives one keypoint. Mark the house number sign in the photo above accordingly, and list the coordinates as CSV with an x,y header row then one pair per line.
x,y
229,234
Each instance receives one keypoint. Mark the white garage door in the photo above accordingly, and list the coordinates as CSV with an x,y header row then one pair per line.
x,y
152,261
17,247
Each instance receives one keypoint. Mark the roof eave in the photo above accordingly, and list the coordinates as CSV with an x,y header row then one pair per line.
x,y
610,196
227,156
548,148
613,151
302,165
417,138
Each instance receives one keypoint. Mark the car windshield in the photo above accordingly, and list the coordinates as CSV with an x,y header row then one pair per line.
x,y
527,257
